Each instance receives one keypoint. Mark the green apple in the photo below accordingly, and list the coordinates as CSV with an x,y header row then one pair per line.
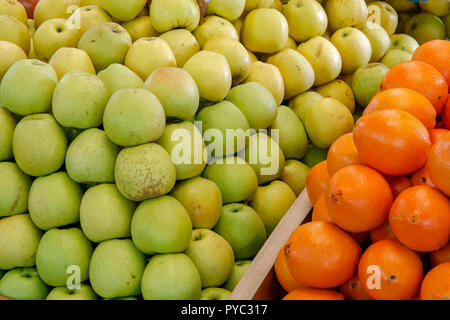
x,y
395,56
183,141
116,269
447,25
65,60
272,202
105,43
238,271
232,125
84,3
19,239
202,200
345,13
402,19
51,9
148,54
214,27
296,79
135,164
212,255
9,54
439,8
117,76
99,166
339,90
85,292
384,15
306,19
122,298
60,249
270,77
314,155
7,126
265,156
14,8
79,100
164,82
23,284
171,277
13,30
323,57
13,189
354,47
402,5
404,42
211,73
171,14
215,294
183,44
265,30
90,16
425,27
124,11
105,214
54,201
27,87
228,9
52,35
39,145
294,175
235,178
327,120
140,27
301,103
243,228
256,103
379,40
367,80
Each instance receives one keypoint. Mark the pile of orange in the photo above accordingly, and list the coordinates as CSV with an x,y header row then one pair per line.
x,y
381,220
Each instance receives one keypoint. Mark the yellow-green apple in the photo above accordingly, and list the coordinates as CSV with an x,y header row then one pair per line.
x,y
238,271
214,293
404,42
79,100
228,9
291,44
314,155
379,40
271,202
117,76
9,54
269,76
384,15
211,73
23,284
105,43
367,80
265,30
183,44
12,30
171,277
90,16
439,8
235,178
84,3
124,11
354,47
425,27
326,120
212,255
238,25
183,141
339,90
52,9
402,19
214,27
65,60
395,56
301,103
172,14
85,292
345,13
323,57
402,5
141,27
255,4
58,250
294,175
306,19
13,190
99,166
14,8
135,164
7,126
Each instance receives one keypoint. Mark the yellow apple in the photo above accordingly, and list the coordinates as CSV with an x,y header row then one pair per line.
x,y
214,27
379,40
171,14
124,10
183,44
9,54
404,42
68,59
345,13
403,5
439,8
52,9
339,90
14,8
91,2
91,16
383,14
228,9
14,31
270,77
238,24
141,27
294,175
301,103
256,4
395,56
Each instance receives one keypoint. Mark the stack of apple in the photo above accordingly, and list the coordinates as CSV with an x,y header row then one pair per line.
x,y
108,108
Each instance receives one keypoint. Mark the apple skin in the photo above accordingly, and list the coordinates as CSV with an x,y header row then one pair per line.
x,y
345,13
171,14
214,27
212,255
425,27
213,293
23,284
65,60
133,164
9,54
306,19
149,228
394,57
140,27
269,76
59,249
301,103
7,126
402,19
54,201
90,16
116,269
14,9
171,277
105,214
404,42
402,5
238,271
39,145
124,12
339,90
19,239
228,9
367,80
242,227
379,40
202,200
314,155
447,25
388,17
50,9
62,293
105,43
294,175
27,87
117,76
12,30
183,44
439,8
13,190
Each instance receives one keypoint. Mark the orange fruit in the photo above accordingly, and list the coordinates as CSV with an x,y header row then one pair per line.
x,y
392,141
440,256
383,232
321,255
316,181
422,177
419,76
360,237
437,133
284,276
436,284
314,294
437,54
320,212
420,218
439,164
353,290
358,198
342,153
446,115
390,271
407,100
398,184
